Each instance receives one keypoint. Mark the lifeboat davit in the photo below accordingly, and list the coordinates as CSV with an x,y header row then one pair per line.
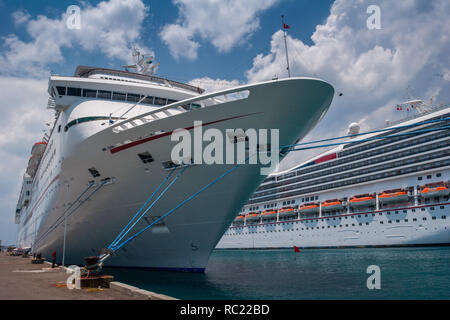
x,y
393,196
334,204
309,208
362,201
431,192
287,212
252,216
269,214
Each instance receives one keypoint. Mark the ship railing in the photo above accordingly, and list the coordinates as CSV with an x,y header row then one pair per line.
x,y
203,101
421,114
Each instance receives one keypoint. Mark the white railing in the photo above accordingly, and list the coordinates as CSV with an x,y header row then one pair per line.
x,y
186,105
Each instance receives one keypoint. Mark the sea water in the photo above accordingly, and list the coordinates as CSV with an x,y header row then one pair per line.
x,y
405,273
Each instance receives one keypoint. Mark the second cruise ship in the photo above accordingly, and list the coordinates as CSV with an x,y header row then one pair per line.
x,y
390,187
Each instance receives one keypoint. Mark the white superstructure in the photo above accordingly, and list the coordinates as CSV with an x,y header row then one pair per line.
x,y
110,148
379,192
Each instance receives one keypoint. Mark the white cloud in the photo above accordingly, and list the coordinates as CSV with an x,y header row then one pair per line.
x,y
23,119
223,23
109,27
20,17
372,68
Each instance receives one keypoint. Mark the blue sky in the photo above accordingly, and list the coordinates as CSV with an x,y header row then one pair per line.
x,y
302,15
217,44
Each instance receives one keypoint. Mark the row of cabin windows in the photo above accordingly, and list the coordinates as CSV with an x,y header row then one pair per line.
x,y
112,95
368,161
368,156
310,198
426,157
444,217
339,219
288,202
393,173
438,175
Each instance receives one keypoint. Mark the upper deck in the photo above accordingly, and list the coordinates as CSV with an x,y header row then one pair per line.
x,y
365,162
127,76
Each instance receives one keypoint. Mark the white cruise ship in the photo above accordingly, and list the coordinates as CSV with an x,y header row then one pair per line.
x,y
110,148
387,188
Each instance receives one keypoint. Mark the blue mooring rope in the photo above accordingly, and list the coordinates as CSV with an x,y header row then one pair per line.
x,y
127,229
363,140
116,247
368,132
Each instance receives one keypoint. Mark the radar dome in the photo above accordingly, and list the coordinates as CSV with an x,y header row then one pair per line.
x,y
353,128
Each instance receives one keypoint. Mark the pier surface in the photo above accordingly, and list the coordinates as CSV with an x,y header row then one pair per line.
x,y
21,280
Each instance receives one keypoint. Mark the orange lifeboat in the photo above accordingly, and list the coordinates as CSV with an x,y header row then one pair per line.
x,y
334,204
287,212
309,208
269,214
239,218
38,148
362,201
437,191
252,216
393,196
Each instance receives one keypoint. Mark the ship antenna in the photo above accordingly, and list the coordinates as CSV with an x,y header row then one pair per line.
x,y
285,26
143,63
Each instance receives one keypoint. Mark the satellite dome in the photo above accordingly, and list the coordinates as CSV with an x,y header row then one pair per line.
x,y
353,128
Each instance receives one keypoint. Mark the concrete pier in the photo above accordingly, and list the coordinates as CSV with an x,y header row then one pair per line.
x,y
22,280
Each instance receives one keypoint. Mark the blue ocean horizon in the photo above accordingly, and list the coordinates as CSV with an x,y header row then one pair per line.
x,y
282,274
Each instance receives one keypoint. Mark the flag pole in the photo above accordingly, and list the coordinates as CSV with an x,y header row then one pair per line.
x,y
285,45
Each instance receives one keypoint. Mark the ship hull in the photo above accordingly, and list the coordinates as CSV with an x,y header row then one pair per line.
x,y
99,209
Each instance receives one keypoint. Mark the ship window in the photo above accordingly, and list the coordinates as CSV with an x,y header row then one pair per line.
x,y
133,97
61,91
59,128
89,93
169,101
102,94
119,96
94,172
148,100
75,92
146,157
438,175
160,101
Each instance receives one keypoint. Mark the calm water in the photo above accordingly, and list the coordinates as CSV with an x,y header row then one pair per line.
x,y
406,273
